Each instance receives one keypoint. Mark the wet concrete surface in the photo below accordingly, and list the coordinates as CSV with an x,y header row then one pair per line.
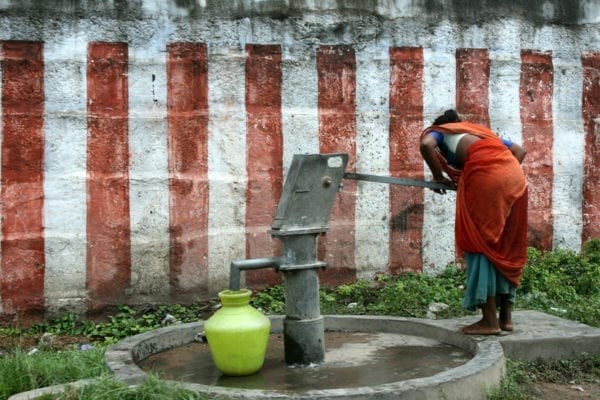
x,y
351,360
538,336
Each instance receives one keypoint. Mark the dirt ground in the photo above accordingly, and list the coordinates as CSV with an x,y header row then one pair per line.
x,y
568,391
27,343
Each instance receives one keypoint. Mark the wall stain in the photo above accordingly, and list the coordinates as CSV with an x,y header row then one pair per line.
x,y
538,12
400,221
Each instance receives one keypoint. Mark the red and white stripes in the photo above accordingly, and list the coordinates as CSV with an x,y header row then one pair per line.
x,y
264,153
336,69
133,176
108,252
591,165
187,105
535,92
22,176
406,120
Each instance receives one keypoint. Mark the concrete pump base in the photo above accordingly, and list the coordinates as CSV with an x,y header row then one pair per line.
x,y
536,336
467,381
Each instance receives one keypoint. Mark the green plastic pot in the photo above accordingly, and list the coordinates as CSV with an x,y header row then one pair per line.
x,y
237,334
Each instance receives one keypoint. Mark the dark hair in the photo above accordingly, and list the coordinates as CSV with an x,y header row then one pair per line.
x,y
447,117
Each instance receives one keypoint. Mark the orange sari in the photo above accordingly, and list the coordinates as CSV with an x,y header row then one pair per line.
x,y
491,201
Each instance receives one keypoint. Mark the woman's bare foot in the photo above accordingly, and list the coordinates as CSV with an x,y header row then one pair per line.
x,y
506,326
505,313
489,322
481,328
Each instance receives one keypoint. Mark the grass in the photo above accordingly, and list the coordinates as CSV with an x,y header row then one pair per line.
x,y
22,370
561,282
521,376
107,388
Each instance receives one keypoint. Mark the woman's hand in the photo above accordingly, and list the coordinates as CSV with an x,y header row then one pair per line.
x,y
445,181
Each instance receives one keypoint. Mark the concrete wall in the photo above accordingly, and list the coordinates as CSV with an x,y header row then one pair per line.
x,y
144,143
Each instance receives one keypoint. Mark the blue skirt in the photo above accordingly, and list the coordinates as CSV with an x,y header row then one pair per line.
x,y
483,281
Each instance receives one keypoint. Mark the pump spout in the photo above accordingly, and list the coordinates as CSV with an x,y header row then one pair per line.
x,y
254,263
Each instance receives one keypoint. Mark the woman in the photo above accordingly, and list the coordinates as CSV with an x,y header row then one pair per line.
x,y
491,212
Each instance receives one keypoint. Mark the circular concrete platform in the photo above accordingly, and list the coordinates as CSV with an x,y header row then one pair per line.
x,y
466,381
352,359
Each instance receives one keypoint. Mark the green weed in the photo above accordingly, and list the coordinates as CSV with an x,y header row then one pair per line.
x,y
511,385
560,282
584,369
406,295
126,322
106,388
271,300
520,376
411,294
22,371
563,283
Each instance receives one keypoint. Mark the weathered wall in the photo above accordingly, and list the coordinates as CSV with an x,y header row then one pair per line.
x,y
144,143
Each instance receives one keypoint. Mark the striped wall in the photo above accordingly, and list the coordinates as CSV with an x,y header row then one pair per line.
x,y
134,173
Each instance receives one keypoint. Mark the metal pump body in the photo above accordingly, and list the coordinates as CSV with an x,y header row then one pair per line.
x,y
308,195
307,199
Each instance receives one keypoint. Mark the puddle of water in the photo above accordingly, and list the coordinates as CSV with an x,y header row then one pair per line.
x,y
351,360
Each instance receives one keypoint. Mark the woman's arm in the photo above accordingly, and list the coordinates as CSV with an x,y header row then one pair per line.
x,y
518,151
427,148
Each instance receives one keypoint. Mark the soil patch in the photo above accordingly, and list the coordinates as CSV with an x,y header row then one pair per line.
x,y
565,391
41,342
